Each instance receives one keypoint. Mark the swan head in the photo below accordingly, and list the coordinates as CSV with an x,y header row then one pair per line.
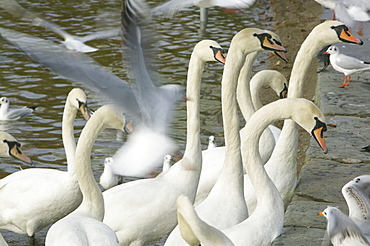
x,y
310,118
9,146
334,32
77,98
253,39
209,50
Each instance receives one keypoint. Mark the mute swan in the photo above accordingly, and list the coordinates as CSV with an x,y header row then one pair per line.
x,y
226,199
356,194
272,78
70,41
282,166
50,194
266,222
341,229
84,226
13,114
346,64
211,142
9,146
277,82
213,160
144,210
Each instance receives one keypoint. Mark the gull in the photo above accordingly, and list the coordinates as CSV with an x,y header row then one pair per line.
x,y
108,179
356,193
342,230
171,7
71,42
211,142
323,58
145,102
345,64
13,114
166,163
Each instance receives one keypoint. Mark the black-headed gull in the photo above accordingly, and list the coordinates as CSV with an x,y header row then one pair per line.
x,y
172,6
342,230
149,105
345,64
13,114
72,42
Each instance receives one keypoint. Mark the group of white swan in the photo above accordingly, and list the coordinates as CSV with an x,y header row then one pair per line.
x,y
245,204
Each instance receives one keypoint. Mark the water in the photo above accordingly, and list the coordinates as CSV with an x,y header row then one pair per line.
x,y
25,82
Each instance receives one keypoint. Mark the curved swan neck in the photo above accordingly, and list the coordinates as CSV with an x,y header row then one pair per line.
x,y
243,91
193,146
92,203
264,187
69,115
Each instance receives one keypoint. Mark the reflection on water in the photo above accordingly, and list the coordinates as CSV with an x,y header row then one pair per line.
x,y
27,83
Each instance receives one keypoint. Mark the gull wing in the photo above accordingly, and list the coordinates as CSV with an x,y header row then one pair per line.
x,y
75,66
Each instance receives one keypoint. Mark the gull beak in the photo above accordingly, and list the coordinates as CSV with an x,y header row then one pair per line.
x,y
320,213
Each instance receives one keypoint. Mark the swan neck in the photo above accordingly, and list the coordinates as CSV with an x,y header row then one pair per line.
x,y
305,56
243,91
69,143
193,146
92,203
233,164
264,188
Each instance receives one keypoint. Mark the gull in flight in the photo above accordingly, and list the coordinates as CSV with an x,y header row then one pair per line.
x,y
72,42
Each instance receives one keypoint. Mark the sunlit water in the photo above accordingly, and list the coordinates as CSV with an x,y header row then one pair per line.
x,y
25,82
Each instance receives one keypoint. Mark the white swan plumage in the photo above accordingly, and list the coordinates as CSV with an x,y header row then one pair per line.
x,y
50,194
213,160
84,226
266,223
282,166
226,199
155,198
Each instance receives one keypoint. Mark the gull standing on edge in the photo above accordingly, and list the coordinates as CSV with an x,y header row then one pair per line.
x,y
13,114
345,64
